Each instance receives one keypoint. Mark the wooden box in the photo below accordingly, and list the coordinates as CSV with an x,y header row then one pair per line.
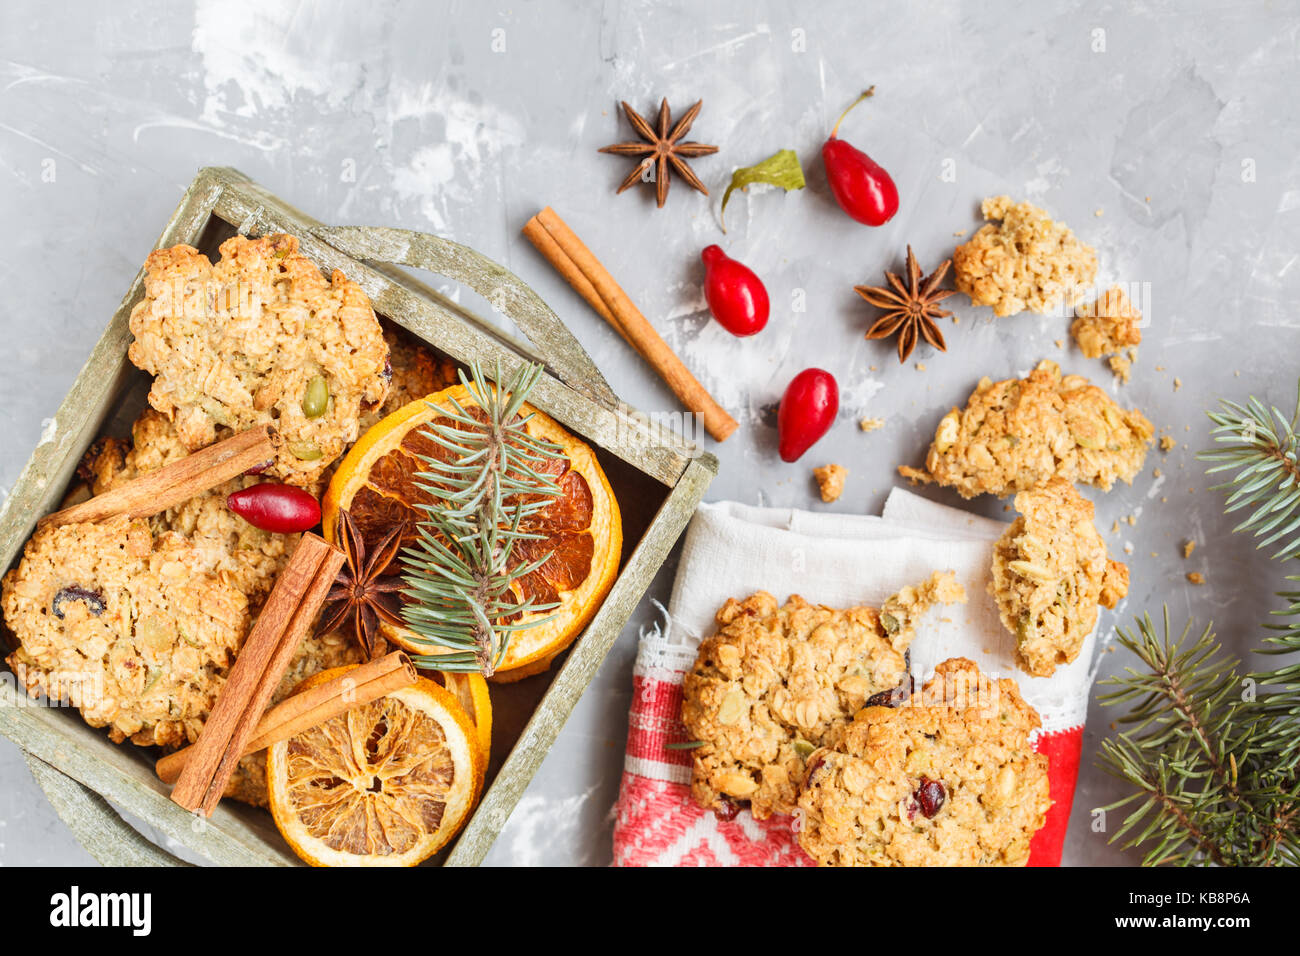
x,y
658,476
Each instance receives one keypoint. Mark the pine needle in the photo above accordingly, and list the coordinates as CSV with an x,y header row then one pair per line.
x,y
461,573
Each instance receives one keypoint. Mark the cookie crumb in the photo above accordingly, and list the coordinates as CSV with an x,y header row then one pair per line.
x,y
830,481
1196,577
920,366
1121,366
871,424
1059,343
1132,520
1109,327
1178,383
1188,547
1114,529
1167,443
1128,547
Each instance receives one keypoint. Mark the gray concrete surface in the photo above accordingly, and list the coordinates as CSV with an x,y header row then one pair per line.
x,y
1165,134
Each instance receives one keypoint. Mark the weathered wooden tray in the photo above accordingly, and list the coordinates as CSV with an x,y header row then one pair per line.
x,y
658,476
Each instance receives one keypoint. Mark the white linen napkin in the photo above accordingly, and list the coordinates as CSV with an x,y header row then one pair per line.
x,y
732,550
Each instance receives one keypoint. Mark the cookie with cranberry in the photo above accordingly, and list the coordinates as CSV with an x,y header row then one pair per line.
x,y
946,778
260,338
776,682
132,630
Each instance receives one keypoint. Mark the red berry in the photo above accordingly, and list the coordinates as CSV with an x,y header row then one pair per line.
x,y
930,796
807,411
282,509
727,809
736,296
861,186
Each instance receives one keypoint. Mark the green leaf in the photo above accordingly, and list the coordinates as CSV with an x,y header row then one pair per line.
x,y
780,169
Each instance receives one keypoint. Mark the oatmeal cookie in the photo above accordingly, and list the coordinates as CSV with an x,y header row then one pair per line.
x,y
248,558
316,653
1109,327
1050,572
1026,261
131,629
775,682
1016,434
260,338
947,778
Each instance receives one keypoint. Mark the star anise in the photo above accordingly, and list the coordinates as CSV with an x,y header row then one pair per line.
x,y
362,590
912,308
662,149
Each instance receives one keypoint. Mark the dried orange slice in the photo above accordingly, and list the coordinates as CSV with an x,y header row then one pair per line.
x,y
471,692
386,784
582,529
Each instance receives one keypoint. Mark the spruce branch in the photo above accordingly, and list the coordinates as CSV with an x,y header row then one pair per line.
x,y
1261,444
462,573
1207,789
1213,755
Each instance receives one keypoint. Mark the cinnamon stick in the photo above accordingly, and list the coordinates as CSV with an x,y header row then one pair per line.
x,y
359,686
180,481
289,612
582,270
545,243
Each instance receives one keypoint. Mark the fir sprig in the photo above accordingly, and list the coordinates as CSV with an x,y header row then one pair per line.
x,y
461,572
1189,747
1213,753
1261,444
